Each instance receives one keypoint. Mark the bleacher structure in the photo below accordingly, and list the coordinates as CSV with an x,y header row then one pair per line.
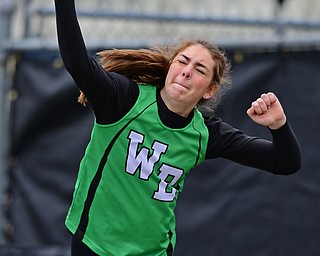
x,y
134,23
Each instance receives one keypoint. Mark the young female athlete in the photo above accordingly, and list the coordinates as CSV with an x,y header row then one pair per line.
x,y
147,135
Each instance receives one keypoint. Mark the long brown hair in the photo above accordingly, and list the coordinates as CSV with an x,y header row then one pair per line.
x,y
150,66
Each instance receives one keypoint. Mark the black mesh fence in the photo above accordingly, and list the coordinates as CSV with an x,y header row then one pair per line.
x,y
225,209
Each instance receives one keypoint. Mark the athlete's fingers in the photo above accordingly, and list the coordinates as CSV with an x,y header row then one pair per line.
x,y
258,107
272,97
262,104
267,99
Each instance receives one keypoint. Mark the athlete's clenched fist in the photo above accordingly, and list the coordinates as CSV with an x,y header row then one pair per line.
x,y
267,111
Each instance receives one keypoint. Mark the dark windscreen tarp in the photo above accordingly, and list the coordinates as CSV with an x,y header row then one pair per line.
x,y
225,209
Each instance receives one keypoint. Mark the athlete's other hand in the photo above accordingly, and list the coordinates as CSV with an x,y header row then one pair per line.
x,y
267,111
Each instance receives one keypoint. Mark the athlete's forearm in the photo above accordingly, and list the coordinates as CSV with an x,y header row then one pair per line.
x,y
71,44
287,150
281,156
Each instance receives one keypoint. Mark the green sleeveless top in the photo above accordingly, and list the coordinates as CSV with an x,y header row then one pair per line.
x,y
130,179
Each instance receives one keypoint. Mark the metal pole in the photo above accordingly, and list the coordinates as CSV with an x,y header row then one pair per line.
x,y
7,7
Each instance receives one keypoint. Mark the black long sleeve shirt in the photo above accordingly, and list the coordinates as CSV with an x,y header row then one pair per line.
x,y
112,95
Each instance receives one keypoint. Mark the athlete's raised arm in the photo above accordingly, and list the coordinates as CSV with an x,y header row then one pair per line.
x,y
282,155
101,88
71,44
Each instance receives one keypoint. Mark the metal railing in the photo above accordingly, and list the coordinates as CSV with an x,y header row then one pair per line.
x,y
279,31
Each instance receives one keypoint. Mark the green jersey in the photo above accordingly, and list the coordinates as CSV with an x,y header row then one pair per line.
x,y
130,179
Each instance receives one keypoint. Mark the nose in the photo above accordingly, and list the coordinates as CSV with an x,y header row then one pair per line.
x,y
186,74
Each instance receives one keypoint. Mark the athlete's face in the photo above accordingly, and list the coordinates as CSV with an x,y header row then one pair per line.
x,y
189,79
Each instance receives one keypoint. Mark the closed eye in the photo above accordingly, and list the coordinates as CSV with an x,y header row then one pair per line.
x,y
201,68
201,71
182,62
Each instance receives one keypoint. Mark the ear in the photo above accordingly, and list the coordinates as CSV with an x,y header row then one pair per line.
x,y
210,92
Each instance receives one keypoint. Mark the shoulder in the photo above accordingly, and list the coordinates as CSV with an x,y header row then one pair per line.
x,y
213,123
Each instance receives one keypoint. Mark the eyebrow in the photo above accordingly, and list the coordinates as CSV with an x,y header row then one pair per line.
x,y
198,63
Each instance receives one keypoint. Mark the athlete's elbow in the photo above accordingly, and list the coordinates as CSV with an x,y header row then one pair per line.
x,y
288,169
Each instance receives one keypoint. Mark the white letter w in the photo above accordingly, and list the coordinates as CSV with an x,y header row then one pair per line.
x,y
141,159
